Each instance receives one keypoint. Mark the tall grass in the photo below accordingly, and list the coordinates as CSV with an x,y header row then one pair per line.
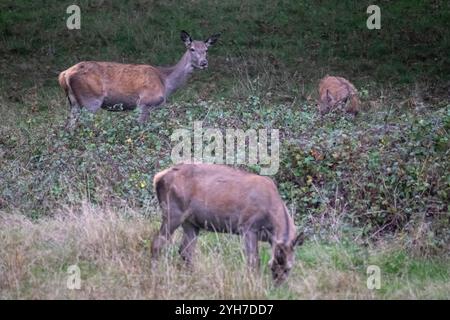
x,y
111,248
112,251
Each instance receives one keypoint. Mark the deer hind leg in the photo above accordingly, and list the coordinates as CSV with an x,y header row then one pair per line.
x,y
188,242
75,111
88,92
145,104
92,104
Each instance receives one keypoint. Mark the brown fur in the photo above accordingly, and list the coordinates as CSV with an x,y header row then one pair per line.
x,y
117,83
117,86
334,91
222,199
62,81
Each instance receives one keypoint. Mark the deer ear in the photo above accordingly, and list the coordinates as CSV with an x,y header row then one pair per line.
x,y
298,241
280,254
186,38
329,97
213,39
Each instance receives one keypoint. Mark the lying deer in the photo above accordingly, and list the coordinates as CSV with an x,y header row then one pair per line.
x,y
222,199
116,87
335,92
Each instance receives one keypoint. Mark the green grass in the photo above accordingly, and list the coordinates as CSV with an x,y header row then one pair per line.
x,y
301,39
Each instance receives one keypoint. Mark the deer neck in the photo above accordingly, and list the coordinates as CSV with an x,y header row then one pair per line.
x,y
177,75
284,228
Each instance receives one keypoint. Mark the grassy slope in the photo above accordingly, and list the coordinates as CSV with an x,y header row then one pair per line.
x,y
265,67
298,42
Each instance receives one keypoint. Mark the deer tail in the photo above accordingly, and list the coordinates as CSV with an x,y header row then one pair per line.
x,y
159,184
62,81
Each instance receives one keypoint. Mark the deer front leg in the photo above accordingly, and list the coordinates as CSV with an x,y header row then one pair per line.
x,y
188,242
251,249
145,104
168,227
145,110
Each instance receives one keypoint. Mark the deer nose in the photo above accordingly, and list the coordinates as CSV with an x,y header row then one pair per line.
x,y
203,63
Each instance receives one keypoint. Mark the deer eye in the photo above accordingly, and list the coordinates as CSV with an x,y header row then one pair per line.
x,y
192,49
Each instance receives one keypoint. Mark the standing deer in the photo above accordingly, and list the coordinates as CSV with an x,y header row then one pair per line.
x,y
222,199
116,86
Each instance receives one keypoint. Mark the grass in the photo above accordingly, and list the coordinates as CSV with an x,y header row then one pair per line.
x,y
370,190
111,248
299,42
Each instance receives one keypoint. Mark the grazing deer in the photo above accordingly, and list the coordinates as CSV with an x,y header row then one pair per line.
x,y
116,87
335,92
222,199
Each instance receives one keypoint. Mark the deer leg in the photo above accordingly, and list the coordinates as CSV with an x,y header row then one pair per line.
x,y
188,242
86,93
75,111
251,249
145,110
145,104
171,222
92,104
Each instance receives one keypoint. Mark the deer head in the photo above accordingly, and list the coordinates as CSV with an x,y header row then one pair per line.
x,y
283,255
198,49
326,103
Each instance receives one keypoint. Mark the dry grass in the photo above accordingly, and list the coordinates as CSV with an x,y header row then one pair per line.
x,y
112,250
